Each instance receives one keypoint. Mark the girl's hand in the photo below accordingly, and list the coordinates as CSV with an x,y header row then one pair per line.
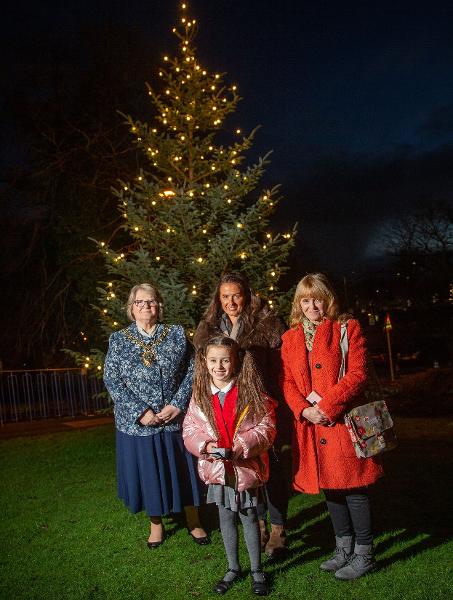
x,y
210,447
150,419
315,415
168,413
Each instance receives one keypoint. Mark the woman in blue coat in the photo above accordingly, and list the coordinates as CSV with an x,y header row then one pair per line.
x,y
148,374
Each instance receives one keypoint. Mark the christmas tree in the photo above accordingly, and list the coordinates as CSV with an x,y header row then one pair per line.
x,y
192,212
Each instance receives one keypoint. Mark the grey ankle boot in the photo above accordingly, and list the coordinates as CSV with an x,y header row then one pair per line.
x,y
361,562
342,554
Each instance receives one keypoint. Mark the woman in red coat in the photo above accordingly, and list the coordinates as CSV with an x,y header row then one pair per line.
x,y
324,456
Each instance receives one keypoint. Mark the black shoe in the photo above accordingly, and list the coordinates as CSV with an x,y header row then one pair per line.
x,y
153,545
222,586
201,541
259,587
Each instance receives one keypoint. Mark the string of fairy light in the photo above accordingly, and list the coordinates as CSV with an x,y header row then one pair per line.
x,y
181,120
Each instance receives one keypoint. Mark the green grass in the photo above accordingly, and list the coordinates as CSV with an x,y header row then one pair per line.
x,y
64,534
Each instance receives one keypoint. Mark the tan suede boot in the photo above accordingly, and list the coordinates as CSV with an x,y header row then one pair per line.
x,y
264,533
277,541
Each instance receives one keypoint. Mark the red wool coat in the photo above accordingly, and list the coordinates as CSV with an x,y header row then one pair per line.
x,y
323,457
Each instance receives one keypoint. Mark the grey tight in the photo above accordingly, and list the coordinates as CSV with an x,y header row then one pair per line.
x,y
229,529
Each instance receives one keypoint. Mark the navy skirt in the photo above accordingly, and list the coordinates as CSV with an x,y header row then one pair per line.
x,y
156,473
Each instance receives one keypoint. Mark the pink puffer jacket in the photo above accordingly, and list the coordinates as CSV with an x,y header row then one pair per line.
x,y
251,441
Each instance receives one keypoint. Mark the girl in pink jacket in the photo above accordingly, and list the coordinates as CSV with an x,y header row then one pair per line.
x,y
229,426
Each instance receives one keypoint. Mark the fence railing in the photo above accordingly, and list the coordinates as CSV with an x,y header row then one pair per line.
x,y
49,394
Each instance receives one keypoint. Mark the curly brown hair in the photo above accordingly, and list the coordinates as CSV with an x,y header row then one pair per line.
x,y
252,305
250,386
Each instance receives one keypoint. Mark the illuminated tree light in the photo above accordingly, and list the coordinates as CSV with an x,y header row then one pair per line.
x,y
273,273
102,244
158,258
105,311
169,193
239,225
238,131
99,368
135,228
200,259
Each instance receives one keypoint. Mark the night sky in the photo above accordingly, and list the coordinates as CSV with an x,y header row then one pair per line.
x,y
354,98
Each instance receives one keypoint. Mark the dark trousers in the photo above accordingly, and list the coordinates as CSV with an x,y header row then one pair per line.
x,y
275,491
350,512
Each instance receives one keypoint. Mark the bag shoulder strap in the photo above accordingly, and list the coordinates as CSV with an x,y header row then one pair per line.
x,y
344,346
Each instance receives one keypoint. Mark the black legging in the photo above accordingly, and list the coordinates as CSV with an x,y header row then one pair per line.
x,y
275,491
350,512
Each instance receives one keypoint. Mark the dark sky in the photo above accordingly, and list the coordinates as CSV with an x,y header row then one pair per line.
x,y
354,98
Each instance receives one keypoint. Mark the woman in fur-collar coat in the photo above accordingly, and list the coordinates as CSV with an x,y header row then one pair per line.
x,y
237,312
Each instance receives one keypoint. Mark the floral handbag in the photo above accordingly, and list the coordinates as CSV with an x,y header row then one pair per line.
x,y
371,429
370,425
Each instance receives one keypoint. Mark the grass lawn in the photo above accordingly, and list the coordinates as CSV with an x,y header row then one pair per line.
x,y
65,535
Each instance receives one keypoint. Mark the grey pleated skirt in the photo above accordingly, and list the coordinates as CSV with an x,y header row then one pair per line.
x,y
226,496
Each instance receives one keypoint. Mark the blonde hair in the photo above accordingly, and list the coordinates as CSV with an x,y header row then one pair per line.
x,y
314,285
147,287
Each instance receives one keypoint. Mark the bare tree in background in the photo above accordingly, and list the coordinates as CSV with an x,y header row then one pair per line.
x,y
422,246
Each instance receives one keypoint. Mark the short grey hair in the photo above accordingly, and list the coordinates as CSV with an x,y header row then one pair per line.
x,y
147,287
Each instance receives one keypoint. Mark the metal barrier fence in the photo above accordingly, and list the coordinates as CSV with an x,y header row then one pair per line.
x,y
49,394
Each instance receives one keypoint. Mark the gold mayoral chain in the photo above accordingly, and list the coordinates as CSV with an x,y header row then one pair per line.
x,y
149,354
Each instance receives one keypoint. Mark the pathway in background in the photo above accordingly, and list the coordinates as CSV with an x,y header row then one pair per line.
x,y
407,428
26,429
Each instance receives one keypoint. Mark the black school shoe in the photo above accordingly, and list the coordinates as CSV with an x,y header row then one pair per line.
x,y
259,586
222,586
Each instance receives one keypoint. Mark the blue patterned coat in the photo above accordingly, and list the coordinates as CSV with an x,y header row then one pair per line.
x,y
135,387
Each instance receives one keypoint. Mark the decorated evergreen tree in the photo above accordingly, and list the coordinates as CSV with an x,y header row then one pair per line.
x,y
192,211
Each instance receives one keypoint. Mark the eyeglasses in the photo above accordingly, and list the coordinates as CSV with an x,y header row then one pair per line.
x,y
148,303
